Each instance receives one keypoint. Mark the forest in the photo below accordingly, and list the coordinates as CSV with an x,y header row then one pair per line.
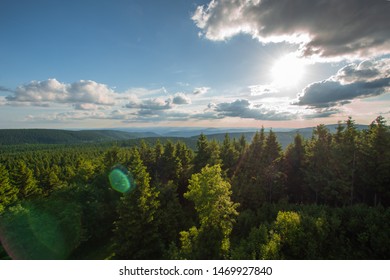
x,y
325,197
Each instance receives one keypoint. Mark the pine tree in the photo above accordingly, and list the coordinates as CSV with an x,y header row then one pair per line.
x,y
185,156
318,169
229,155
249,181
8,193
23,178
137,228
170,164
344,157
202,154
295,157
375,164
112,157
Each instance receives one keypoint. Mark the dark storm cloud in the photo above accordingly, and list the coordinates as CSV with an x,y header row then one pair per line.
x,y
331,28
369,78
327,93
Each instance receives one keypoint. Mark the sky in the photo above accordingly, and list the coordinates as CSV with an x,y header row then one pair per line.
x,y
188,63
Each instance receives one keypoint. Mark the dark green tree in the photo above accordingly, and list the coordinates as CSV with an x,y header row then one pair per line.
x,y
229,155
203,153
137,228
170,164
294,160
375,163
318,169
8,193
23,179
344,158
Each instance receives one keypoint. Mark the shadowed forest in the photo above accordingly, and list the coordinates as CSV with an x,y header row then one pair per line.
x,y
326,197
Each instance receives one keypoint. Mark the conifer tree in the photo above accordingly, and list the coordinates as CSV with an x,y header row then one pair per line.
x,y
295,157
137,228
202,154
23,178
318,166
375,164
8,193
170,164
344,157
229,155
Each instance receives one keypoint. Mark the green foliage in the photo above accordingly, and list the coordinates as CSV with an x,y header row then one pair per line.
x,y
8,193
23,178
326,197
229,155
208,153
293,167
43,229
136,230
211,196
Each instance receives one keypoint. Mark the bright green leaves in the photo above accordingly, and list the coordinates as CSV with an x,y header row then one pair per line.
x,y
211,196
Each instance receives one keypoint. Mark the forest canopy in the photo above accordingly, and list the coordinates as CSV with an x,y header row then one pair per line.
x,y
323,197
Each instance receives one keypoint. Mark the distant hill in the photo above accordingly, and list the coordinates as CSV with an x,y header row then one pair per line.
x,y
188,135
284,137
57,136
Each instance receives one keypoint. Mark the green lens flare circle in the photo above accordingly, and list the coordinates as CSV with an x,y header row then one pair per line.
x,y
121,180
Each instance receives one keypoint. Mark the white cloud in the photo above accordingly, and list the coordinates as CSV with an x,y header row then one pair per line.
x,y
332,28
201,90
180,99
53,91
243,108
261,90
140,92
150,104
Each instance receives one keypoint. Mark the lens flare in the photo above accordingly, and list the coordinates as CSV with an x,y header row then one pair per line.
x,y
121,179
41,230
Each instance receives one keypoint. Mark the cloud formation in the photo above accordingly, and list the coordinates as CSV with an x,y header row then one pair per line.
x,y
51,90
369,78
242,108
4,89
200,90
180,99
150,104
332,28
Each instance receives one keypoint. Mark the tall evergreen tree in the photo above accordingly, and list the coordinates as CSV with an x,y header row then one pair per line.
x,y
318,166
23,178
344,158
137,228
202,154
8,193
170,164
295,157
375,165
185,156
229,155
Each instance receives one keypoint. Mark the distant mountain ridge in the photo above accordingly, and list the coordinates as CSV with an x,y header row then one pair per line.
x,y
59,136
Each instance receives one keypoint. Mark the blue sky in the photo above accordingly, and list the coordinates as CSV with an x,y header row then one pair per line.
x,y
88,64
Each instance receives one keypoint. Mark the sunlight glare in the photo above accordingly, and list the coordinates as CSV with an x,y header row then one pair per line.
x,y
287,71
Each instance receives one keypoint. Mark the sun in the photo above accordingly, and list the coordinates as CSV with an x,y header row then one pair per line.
x,y
287,71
